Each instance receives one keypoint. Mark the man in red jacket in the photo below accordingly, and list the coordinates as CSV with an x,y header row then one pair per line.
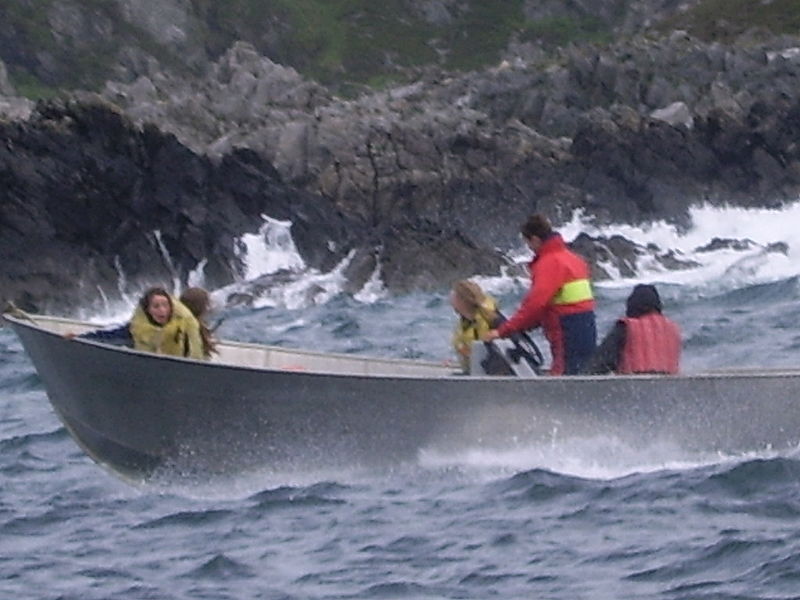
x,y
560,300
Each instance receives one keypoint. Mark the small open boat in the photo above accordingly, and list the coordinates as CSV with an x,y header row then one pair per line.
x,y
267,408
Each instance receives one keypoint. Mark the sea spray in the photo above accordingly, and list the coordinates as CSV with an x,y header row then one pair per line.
x,y
270,250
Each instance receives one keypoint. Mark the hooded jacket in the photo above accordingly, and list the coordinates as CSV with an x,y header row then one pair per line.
x,y
644,341
469,331
180,336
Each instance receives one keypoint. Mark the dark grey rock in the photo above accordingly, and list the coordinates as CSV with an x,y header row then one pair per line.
x,y
725,243
616,256
91,208
427,182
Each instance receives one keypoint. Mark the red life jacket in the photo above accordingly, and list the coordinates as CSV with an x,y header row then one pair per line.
x,y
652,345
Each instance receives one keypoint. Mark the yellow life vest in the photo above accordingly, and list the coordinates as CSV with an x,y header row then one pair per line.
x,y
179,337
467,332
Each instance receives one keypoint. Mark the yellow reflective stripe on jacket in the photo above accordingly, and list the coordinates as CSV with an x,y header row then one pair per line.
x,y
574,292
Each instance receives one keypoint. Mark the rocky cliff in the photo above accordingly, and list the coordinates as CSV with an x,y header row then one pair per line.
x,y
93,208
346,45
632,132
426,181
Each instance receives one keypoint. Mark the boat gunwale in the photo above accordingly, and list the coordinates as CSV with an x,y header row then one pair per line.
x,y
710,374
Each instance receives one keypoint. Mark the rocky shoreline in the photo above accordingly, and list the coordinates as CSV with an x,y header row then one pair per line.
x,y
94,208
427,182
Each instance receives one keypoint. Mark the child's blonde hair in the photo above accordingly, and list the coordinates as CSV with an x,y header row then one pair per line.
x,y
471,294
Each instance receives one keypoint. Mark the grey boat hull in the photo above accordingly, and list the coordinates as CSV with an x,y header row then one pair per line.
x,y
139,413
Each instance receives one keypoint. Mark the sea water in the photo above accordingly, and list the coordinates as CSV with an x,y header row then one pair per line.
x,y
593,521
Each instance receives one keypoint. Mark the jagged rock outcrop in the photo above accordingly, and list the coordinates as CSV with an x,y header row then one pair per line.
x,y
92,208
431,179
481,150
616,256
444,170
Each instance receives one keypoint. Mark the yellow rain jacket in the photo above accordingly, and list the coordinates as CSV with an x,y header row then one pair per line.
x,y
179,337
467,332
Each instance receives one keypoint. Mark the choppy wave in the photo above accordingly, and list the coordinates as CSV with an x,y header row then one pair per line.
x,y
728,268
271,256
724,526
723,267
595,519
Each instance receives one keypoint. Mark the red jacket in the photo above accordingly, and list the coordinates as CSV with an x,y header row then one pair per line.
x,y
652,345
554,266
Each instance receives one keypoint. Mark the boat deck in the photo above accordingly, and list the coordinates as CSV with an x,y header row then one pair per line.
x,y
285,359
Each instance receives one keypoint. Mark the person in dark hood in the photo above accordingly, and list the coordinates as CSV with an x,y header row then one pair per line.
x,y
644,341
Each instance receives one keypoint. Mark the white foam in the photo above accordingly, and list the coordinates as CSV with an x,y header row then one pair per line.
x,y
309,288
270,250
718,270
176,282
111,313
373,289
505,283
197,277
122,281
600,458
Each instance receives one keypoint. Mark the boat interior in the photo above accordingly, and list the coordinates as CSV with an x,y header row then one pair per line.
x,y
290,359
284,359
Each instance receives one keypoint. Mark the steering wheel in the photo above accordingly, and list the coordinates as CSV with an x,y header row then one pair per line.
x,y
530,351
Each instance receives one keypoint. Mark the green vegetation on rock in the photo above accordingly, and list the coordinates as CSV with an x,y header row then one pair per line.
x,y
337,42
363,41
560,31
727,19
42,58
346,44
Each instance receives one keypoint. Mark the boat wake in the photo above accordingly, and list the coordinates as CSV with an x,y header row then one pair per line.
x,y
600,458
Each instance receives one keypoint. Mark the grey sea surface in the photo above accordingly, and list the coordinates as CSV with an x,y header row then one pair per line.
x,y
597,521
